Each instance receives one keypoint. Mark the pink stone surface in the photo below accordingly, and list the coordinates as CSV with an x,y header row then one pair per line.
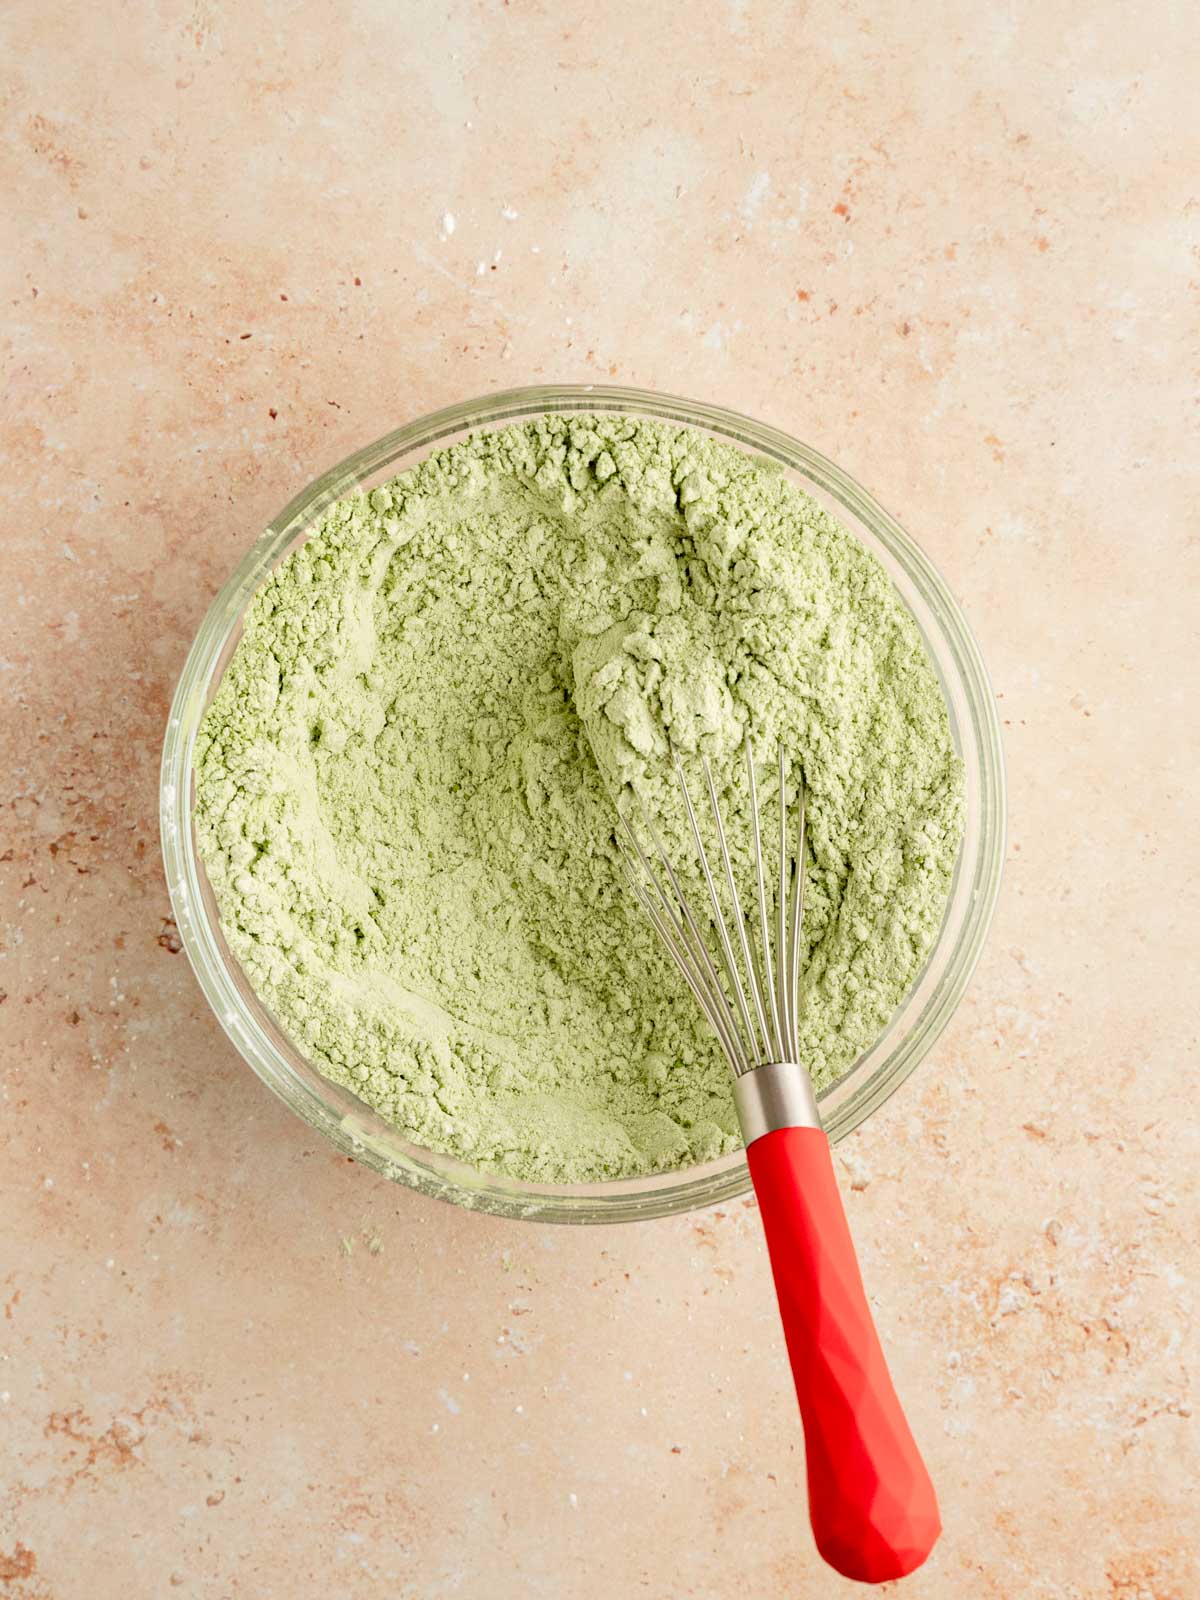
x,y
957,247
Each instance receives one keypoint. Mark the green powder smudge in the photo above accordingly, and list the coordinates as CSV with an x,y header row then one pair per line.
x,y
405,784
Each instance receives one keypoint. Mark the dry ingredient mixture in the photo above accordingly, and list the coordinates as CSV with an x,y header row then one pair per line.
x,y
405,784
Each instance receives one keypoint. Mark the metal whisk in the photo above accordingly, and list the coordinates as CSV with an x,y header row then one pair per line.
x,y
873,1508
755,1012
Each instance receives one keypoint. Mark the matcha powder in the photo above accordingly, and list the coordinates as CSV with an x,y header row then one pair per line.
x,y
405,784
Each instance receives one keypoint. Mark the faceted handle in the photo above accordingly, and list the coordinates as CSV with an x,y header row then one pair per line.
x,y
873,1509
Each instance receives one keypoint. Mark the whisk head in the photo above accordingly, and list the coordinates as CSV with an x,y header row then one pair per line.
x,y
746,976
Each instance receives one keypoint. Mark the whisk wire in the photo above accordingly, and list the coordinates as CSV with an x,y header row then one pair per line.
x,y
781,966
687,945
718,917
739,916
767,974
697,945
751,1003
794,939
713,1013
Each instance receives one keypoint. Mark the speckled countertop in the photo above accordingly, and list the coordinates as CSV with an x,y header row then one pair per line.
x,y
961,258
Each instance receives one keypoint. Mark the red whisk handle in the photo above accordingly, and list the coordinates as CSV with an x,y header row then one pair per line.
x,y
873,1508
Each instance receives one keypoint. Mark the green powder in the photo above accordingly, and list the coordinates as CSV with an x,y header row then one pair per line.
x,y
406,780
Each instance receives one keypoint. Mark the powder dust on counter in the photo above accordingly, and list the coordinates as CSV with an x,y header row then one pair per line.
x,y
405,784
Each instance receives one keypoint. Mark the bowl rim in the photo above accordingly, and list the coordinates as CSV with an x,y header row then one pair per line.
x,y
356,1129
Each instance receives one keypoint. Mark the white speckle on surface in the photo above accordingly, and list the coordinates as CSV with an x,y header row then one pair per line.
x,y
509,214
449,223
1100,101
856,1170
1009,1300
573,1499
752,200
450,1403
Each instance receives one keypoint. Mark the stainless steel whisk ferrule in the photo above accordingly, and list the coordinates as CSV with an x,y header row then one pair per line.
x,y
750,990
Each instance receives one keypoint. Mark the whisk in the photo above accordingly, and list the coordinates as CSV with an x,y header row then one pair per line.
x,y
872,1506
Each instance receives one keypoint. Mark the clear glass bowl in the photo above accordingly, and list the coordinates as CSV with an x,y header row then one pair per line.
x,y
356,1129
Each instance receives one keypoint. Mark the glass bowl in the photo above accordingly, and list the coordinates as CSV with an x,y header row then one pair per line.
x,y
354,1128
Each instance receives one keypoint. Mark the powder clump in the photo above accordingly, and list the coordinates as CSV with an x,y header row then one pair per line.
x,y
405,784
